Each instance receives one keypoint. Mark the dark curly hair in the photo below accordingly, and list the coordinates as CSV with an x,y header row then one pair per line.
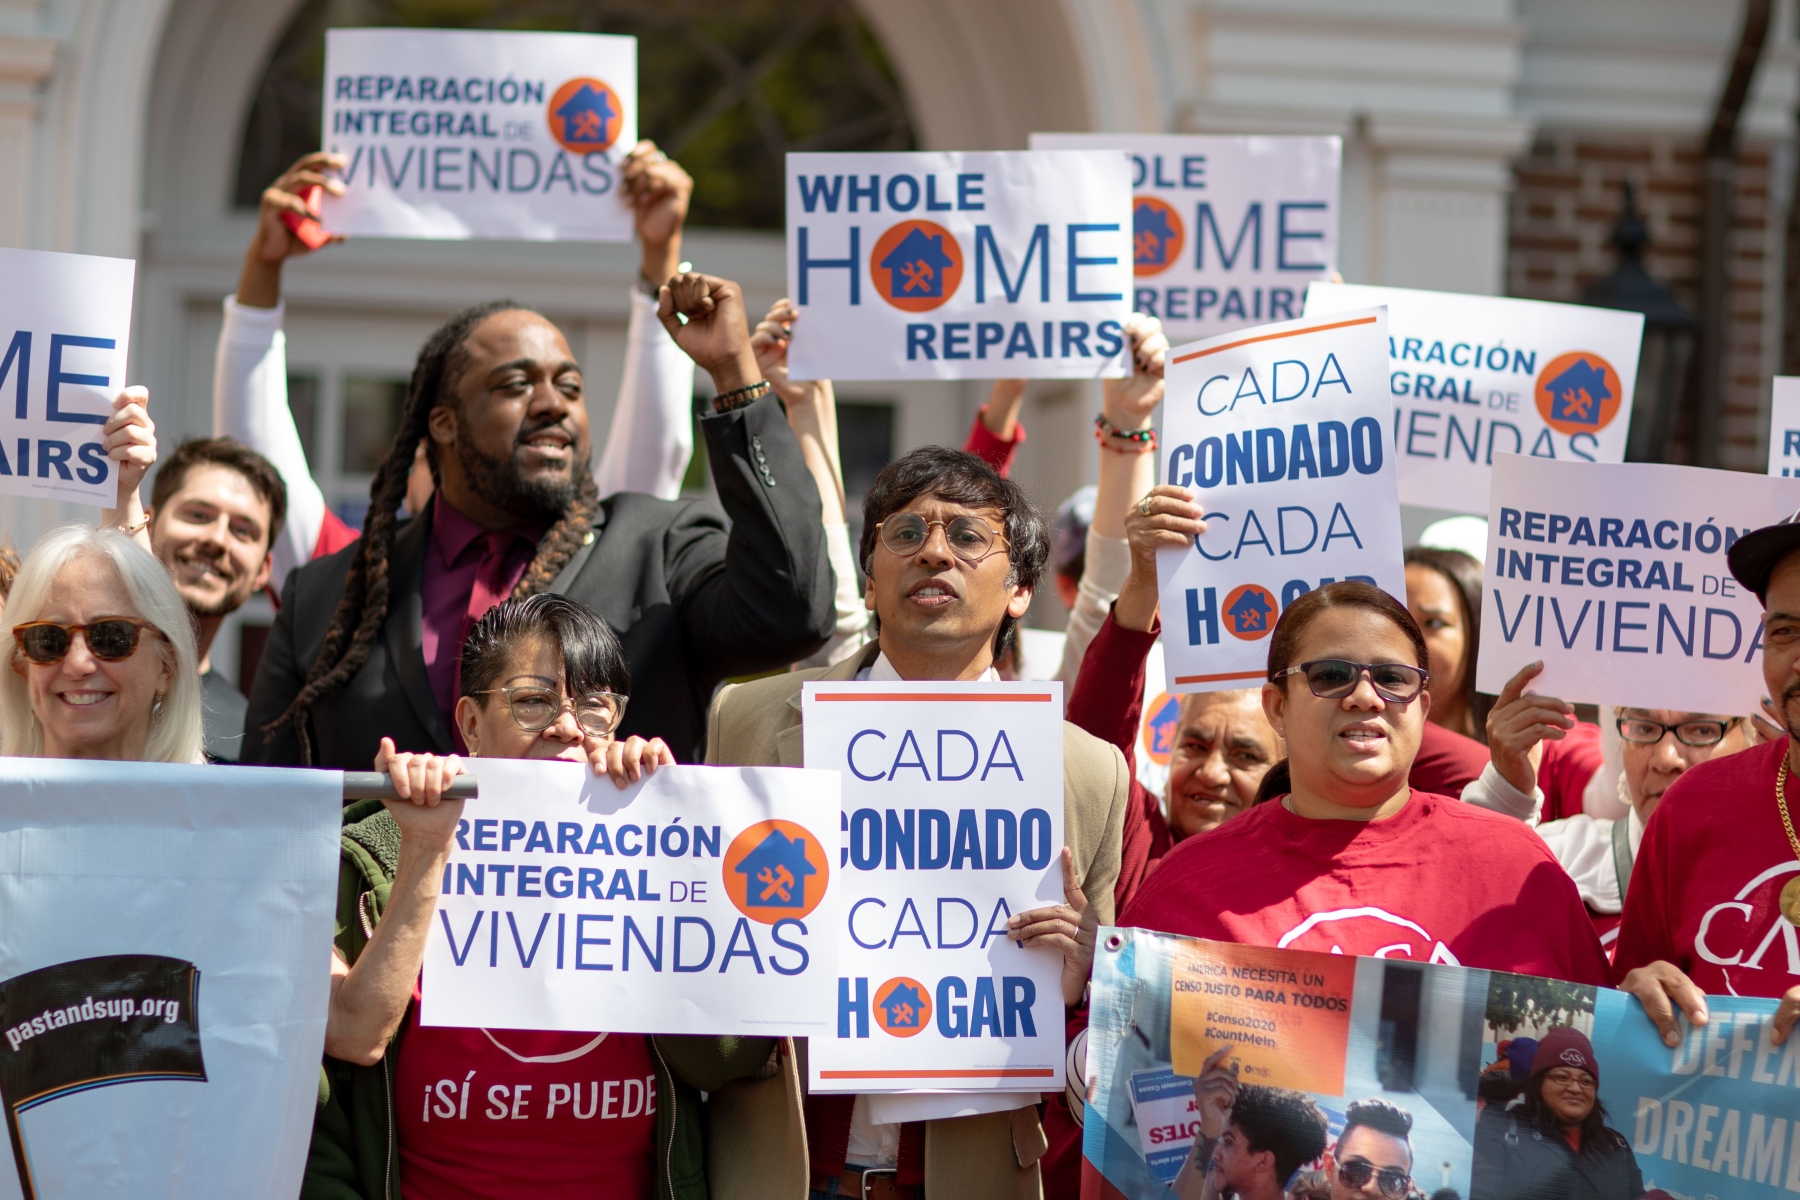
x,y
962,478
1282,1122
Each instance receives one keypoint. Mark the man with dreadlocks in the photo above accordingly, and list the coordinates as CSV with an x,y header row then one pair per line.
x,y
367,639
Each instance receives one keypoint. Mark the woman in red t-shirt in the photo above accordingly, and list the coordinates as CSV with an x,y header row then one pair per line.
x,y
1340,855
495,1113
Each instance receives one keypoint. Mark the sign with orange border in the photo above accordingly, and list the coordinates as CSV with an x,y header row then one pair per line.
x,y
1285,1015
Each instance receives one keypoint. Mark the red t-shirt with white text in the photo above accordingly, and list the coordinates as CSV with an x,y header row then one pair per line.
x,y
1439,881
508,1114
1706,885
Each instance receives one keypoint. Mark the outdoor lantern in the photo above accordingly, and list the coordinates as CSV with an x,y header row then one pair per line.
x,y
1670,333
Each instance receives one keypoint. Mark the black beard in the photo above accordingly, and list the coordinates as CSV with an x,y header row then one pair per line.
x,y
1788,696
500,482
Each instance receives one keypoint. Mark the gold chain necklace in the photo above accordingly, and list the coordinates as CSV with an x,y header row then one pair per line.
x,y
1790,892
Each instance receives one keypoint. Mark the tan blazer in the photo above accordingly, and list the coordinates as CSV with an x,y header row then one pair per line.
x,y
758,1144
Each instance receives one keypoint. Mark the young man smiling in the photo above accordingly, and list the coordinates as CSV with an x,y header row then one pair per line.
x,y
952,553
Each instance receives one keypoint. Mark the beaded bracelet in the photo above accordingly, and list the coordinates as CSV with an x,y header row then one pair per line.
x,y
740,396
1138,441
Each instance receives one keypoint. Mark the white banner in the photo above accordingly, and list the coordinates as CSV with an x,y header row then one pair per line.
x,y
959,265
164,974
953,814
1296,496
1615,576
457,133
65,329
1784,427
1225,231
696,901
1475,377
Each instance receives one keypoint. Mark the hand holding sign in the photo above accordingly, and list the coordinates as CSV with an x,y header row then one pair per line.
x,y
1215,1091
1128,402
1518,725
635,757
1069,927
129,439
1662,986
1167,518
705,316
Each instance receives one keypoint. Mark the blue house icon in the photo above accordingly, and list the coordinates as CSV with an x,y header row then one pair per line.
x,y
1575,395
586,118
775,873
918,264
904,1008
1150,235
1251,613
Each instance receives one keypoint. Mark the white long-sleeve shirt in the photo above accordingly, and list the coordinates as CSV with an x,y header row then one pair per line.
x,y
1582,843
647,447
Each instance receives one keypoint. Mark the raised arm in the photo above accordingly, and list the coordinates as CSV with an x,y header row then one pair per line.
x,y
1517,726
651,437
997,435
129,437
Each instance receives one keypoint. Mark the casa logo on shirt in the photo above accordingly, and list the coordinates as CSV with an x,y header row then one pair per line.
x,y
1748,931
1368,931
916,265
775,871
585,115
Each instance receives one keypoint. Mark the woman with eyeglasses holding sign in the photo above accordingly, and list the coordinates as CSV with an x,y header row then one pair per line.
x,y
478,1112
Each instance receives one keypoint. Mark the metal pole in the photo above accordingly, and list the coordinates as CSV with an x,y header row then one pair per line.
x,y
374,785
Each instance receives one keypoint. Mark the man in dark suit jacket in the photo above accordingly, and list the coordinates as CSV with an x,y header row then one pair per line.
x,y
366,639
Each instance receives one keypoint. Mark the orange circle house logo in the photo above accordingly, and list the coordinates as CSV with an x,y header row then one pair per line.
x,y
1250,611
585,115
774,871
902,1007
916,265
1578,392
1156,236
1160,720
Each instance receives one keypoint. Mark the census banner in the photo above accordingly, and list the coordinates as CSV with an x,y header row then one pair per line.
x,y
1225,231
1615,575
1282,429
952,822
1784,427
480,133
959,265
164,975
1419,1077
698,900
1475,377
65,328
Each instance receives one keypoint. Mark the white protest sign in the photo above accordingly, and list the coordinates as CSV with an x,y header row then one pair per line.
x,y
1615,575
65,328
1282,429
959,265
953,814
480,133
1478,376
695,901
164,975
1784,427
1225,231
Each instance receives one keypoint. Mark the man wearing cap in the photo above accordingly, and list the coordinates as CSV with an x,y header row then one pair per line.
x,y
1553,1140
1714,905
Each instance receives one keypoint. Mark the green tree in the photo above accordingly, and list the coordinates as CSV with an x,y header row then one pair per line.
x,y
1515,1001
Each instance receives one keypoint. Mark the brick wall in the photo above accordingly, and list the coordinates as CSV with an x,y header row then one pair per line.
x,y
1568,196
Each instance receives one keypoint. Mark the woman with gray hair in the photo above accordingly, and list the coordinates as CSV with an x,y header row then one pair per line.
x,y
102,654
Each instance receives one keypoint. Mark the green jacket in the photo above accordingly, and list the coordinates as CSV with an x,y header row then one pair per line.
x,y
355,1153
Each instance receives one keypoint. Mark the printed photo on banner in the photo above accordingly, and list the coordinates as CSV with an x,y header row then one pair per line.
x,y
952,822
1784,427
480,133
1474,377
1226,232
1352,1076
65,333
698,901
957,265
151,1032
1615,576
1282,430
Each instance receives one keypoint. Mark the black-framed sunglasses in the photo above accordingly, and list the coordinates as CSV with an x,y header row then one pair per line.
x,y
1393,1182
109,639
1642,731
534,709
1335,678
969,538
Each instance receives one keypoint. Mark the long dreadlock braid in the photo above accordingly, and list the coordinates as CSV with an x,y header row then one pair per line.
x,y
363,607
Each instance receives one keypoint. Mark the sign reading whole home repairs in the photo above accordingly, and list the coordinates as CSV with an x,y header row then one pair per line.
x,y
1615,575
698,901
1784,427
480,134
959,265
1225,231
1474,377
1282,431
65,328
953,815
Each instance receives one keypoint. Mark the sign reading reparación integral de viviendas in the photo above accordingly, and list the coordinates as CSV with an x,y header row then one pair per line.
x,y
697,901
91,1023
959,265
480,133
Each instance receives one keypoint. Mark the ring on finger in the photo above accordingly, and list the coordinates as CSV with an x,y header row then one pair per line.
x,y
1144,506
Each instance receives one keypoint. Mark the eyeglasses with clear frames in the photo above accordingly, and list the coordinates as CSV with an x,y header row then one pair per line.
x,y
969,538
534,709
